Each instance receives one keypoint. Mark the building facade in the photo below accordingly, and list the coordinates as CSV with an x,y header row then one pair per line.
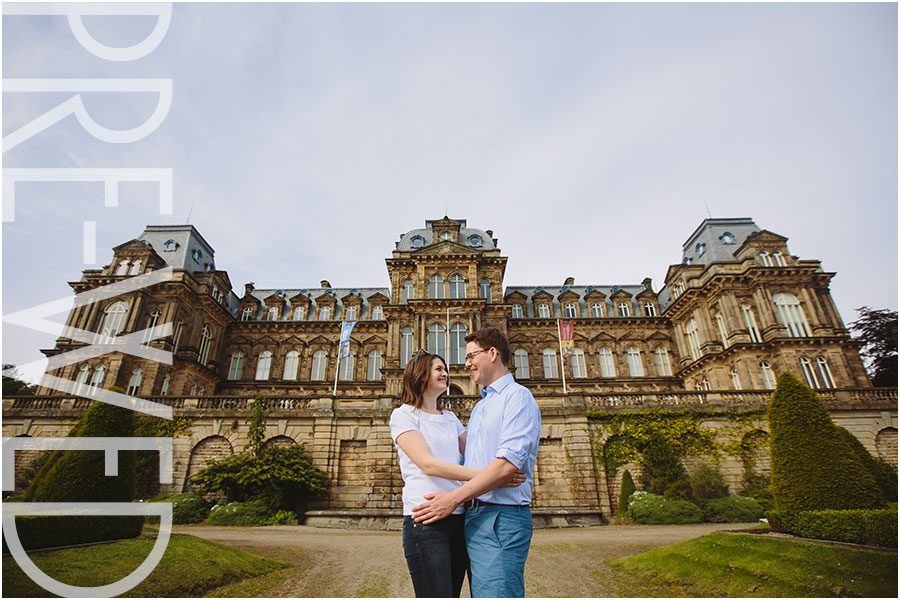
x,y
736,312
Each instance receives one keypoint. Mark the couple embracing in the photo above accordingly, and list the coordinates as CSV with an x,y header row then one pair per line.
x,y
484,525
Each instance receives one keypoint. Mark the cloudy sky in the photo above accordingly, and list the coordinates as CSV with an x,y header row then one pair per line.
x,y
305,139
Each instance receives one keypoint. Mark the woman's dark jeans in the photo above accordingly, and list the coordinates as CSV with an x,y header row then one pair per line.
x,y
436,556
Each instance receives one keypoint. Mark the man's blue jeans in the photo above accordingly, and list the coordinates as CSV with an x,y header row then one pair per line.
x,y
436,556
498,538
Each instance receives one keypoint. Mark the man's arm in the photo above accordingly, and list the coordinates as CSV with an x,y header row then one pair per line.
x,y
441,504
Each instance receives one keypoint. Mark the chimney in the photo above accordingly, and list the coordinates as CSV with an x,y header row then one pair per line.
x,y
647,283
569,281
324,283
248,287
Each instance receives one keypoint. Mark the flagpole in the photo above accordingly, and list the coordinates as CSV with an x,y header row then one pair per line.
x,y
562,358
447,350
337,369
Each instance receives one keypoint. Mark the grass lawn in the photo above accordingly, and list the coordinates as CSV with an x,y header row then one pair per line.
x,y
723,564
189,567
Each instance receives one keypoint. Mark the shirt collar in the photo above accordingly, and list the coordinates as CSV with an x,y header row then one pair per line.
x,y
498,385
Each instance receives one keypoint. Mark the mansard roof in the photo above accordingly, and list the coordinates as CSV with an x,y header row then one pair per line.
x,y
469,237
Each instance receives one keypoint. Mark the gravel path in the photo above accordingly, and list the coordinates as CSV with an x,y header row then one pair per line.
x,y
360,563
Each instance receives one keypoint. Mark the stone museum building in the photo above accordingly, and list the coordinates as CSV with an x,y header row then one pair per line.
x,y
734,313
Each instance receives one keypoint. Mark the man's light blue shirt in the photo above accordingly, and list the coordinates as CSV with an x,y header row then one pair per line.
x,y
506,423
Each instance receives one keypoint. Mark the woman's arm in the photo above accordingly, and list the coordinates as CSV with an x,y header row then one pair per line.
x,y
415,447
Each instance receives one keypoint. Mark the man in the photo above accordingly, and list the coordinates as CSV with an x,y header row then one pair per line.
x,y
502,438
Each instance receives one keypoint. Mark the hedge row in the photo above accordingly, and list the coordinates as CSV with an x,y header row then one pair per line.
x,y
857,526
49,532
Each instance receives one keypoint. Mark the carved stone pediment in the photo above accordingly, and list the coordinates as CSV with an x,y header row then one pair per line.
x,y
445,248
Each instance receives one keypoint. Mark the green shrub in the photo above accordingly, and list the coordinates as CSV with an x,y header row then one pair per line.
x,y
884,474
873,527
732,509
813,466
707,481
763,496
186,508
627,489
280,518
79,476
254,512
662,471
653,509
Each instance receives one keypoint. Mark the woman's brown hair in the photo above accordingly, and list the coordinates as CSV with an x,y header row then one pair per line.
x,y
415,379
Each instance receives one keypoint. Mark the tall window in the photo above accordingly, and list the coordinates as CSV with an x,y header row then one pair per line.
x,y
135,268
484,290
633,357
194,390
317,372
824,372
458,333
406,345
663,366
348,363
693,338
350,313
623,309
123,268
84,374
164,390
113,322
808,373
543,311
779,259
457,286
520,359
579,369
377,312
735,379
236,369
720,321
570,311
325,313
291,365
437,342
768,375
750,322
408,291
247,313
299,313
607,366
516,311
134,384
176,340
791,315
273,314
765,258
597,309
263,365
152,322
703,385
99,374
435,286
551,370
649,309
374,370
205,342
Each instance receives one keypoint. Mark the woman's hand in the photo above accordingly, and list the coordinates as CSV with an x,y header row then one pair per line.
x,y
517,479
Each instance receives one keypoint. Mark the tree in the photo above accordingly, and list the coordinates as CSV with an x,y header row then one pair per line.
x,y
13,385
877,330
625,492
663,472
256,433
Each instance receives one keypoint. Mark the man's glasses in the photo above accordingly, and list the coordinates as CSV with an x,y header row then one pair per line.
x,y
472,355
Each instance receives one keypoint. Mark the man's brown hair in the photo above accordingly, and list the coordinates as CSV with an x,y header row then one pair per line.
x,y
490,337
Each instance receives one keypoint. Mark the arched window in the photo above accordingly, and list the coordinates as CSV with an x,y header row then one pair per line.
x,y
176,339
273,314
408,291
299,313
263,365
663,366
607,366
693,338
765,258
236,368
779,259
84,374
317,372
750,322
457,286
649,309
484,290
325,313
551,368
113,322
377,312
374,370
579,369
123,268
624,309
437,342
205,342
152,322
633,357
194,390
134,384
406,345
350,313
570,311
735,379
824,372
435,286
201,392
809,374
720,322
164,390
135,268
543,311
597,309
291,364
791,315
516,311
520,358
458,333
99,374
348,363
768,375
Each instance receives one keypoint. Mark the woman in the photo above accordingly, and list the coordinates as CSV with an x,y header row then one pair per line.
x,y
431,443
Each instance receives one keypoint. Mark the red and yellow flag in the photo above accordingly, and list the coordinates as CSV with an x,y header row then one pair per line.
x,y
566,333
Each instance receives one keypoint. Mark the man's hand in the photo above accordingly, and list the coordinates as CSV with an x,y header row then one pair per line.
x,y
515,480
439,505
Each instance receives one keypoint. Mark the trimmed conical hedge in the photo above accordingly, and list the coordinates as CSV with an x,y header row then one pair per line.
x,y
885,476
626,490
813,466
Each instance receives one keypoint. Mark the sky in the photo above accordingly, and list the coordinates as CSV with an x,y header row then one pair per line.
x,y
592,139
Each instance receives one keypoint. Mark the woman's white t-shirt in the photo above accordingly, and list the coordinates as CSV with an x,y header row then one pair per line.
x,y
441,433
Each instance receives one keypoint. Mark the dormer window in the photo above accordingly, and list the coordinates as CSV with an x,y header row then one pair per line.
x,y
687,260
476,241
727,238
247,313
196,255
170,246
700,248
417,241
446,237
